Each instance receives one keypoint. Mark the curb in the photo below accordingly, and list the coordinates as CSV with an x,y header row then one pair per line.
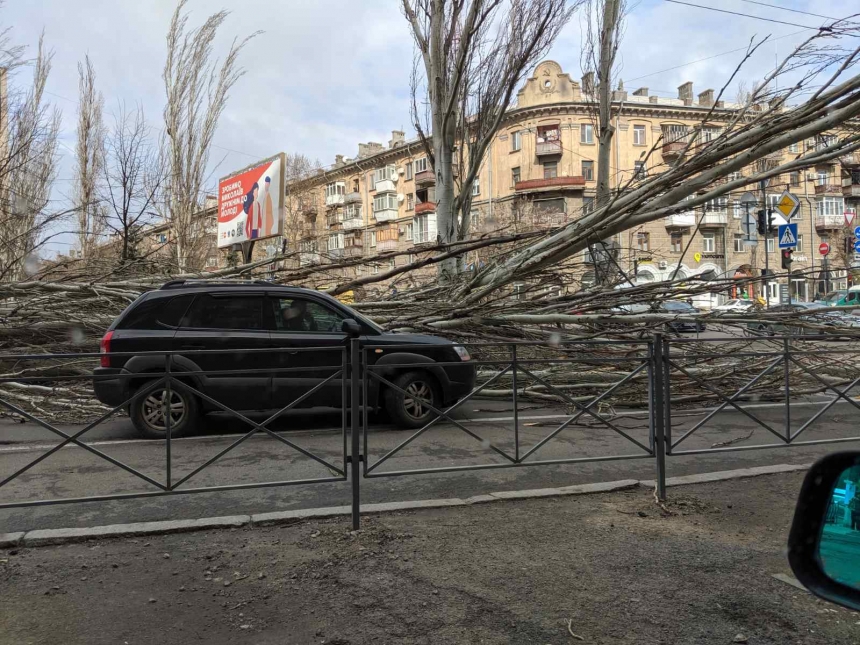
x,y
44,537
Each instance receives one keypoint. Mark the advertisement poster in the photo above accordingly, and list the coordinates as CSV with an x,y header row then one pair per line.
x,y
250,203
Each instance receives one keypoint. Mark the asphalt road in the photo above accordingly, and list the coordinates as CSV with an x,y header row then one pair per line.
x,y
73,472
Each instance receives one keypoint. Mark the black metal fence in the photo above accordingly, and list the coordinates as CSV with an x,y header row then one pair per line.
x,y
670,389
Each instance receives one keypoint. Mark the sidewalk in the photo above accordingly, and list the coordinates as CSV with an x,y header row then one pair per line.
x,y
612,566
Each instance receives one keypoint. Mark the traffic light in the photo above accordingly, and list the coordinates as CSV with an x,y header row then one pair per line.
x,y
771,224
786,258
761,224
849,245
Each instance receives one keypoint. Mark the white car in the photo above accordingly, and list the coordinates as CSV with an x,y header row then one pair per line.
x,y
734,306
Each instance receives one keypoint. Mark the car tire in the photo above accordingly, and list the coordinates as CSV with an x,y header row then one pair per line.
x,y
406,412
148,417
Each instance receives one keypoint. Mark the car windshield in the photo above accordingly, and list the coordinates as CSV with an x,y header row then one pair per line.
x,y
674,305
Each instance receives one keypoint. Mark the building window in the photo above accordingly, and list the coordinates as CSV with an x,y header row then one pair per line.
x,y
389,173
799,247
409,170
421,165
739,243
424,229
588,170
709,134
716,205
375,269
385,201
335,188
409,231
673,132
643,241
709,242
515,176
638,135
586,133
587,205
829,206
794,148
677,242
640,170
335,242
516,141
550,170
410,201
770,244
391,263
794,178
353,211
476,187
373,239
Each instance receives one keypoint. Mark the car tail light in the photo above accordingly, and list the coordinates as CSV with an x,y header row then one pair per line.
x,y
105,349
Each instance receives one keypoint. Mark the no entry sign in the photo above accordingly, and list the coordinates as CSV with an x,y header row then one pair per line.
x,y
824,248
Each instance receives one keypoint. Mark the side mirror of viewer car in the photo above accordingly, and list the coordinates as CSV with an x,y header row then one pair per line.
x,y
351,328
824,543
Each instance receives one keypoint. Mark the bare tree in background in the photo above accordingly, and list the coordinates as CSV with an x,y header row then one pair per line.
x,y
475,54
27,163
301,204
89,158
132,180
196,90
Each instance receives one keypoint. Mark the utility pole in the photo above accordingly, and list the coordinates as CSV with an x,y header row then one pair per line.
x,y
763,186
604,78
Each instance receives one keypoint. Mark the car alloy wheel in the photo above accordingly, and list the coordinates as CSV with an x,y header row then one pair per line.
x,y
418,395
155,406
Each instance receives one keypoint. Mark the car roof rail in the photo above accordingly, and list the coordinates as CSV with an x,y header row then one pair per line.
x,y
176,284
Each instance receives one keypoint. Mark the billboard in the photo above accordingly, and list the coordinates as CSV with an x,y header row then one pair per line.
x,y
250,202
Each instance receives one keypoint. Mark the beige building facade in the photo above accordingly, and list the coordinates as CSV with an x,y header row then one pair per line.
x,y
542,166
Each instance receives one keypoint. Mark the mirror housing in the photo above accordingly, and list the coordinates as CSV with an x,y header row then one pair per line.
x,y
351,328
807,530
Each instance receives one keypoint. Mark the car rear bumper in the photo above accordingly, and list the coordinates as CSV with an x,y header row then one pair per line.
x,y
109,386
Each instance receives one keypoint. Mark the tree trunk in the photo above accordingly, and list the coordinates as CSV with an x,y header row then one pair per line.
x,y
604,76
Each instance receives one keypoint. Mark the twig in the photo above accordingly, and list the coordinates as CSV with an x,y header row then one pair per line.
x,y
576,636
731,441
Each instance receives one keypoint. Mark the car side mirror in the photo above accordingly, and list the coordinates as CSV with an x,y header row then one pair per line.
x,y
824,543
351,328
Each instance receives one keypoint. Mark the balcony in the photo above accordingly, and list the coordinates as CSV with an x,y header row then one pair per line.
x,y
352,198
335,254
851,190
386,215
307,229
680,220
829,222
387,239
309,211
352,224
334,218
309,258
425,178
673,149
715,218
554,183
851,160
825,188
334,200
353,247
384,186
425,207
548,148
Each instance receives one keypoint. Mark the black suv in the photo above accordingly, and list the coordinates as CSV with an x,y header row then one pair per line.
x,y
234,317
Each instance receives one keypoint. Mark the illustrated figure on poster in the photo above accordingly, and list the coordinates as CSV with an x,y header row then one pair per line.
x,y
254,221
269,223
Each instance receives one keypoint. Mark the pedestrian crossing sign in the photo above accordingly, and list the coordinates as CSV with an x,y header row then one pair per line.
x,y
787,235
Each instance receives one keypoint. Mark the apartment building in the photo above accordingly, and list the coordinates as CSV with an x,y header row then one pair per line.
x,y
542,166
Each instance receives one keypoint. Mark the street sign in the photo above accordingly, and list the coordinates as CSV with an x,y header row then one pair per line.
x,y
857,246
857,231
748,224
788,204
849,218
697,256
783,294
824,248
787,236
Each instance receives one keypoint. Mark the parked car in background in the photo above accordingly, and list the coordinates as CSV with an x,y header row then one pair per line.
x,y
830,299
737,306
244,319
681,308
851,297
815,313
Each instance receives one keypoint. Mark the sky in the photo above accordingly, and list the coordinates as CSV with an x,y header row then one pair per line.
x,y
325,75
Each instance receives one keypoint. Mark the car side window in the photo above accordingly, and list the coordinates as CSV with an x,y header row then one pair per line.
x,y
230,312
301,315
157,313
852,296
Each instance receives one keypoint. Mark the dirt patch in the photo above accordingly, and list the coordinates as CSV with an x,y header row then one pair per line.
x,y
613,569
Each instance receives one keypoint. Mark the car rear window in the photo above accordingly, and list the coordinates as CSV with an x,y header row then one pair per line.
x,y
156,313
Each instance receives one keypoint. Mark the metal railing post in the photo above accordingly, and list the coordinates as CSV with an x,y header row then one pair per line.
x,y
658,417
516,404
787,375
168,420
354,455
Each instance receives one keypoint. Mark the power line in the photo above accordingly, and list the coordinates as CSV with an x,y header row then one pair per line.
x,y
774,6
747,15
